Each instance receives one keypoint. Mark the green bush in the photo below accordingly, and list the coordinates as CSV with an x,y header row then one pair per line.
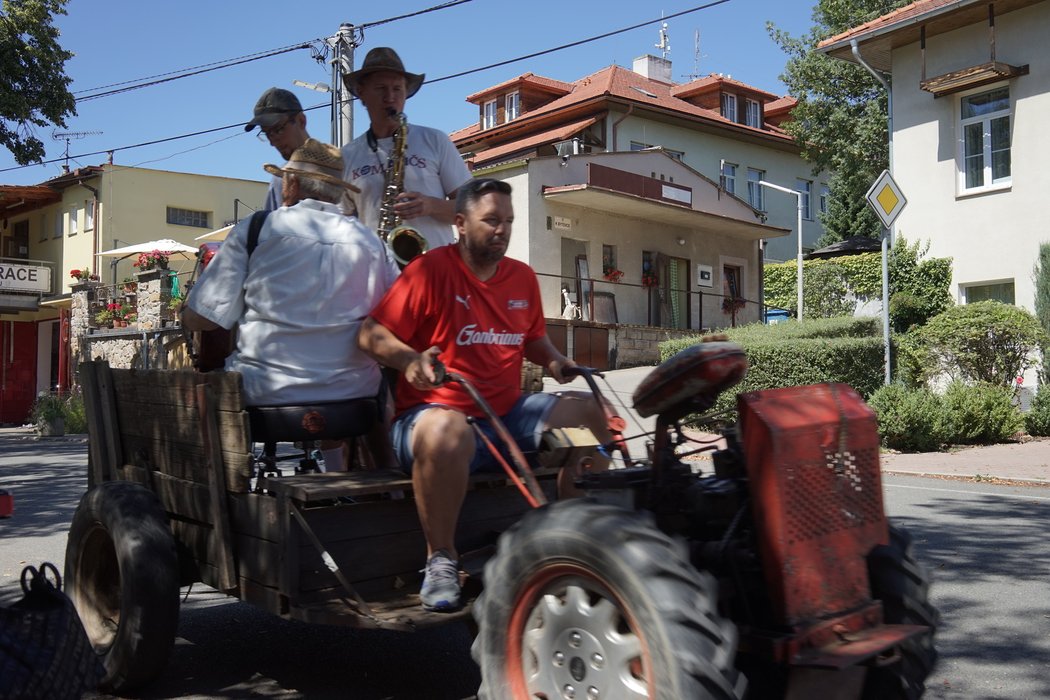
x,y
1037,420
75,414
910,420
793,353
979,414
987,341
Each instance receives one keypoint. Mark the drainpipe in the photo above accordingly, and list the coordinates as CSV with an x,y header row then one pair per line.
x,y
630,108
888,234
94,218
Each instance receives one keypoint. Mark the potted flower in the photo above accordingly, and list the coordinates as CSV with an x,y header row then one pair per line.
x,y
80,274
104,318
731,305
132,318
130,285
611,274
49,414
153,260
649,279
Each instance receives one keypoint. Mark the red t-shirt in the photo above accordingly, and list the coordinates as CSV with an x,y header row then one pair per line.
x,y
482,328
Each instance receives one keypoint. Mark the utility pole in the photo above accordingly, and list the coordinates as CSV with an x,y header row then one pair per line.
x,y
343,43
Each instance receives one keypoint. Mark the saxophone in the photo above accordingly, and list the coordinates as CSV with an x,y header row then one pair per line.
x,y
404,241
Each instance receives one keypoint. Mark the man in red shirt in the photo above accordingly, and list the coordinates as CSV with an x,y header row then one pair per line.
x,y
479,313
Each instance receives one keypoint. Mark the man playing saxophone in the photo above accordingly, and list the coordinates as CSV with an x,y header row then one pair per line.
x,y
430,168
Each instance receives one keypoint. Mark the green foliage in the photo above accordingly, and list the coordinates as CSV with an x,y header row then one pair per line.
x,y
48,407
921,284
1041,277
75,413
918,286
910,420
987,341
842,349
1037,420
34,88
979,413
840,119
826,292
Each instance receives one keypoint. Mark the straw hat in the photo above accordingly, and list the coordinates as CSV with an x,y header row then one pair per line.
x,y
320,161
383,58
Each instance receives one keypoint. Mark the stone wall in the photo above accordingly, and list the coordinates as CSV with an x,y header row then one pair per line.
x,y
638,346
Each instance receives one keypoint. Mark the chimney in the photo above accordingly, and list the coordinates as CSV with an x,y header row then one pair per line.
x,y
654,68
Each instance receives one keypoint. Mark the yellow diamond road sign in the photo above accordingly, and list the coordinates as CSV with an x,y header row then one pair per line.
x,y
886,198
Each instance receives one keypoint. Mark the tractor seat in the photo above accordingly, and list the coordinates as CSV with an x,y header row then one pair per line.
x,y
691,381
316,421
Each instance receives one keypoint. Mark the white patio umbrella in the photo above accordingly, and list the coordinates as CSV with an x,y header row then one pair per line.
x,y
165,244
218,234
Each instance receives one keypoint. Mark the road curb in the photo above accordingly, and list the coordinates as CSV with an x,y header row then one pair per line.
x,y
989,478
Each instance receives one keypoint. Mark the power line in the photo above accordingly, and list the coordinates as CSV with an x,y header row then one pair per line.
x,y
160,78
578,43
220,64
435,80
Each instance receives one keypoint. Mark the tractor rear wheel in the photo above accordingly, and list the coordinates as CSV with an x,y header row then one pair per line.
x,y
122,575
903,585
591,601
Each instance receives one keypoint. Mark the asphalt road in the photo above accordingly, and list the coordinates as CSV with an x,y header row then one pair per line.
x,y
985,544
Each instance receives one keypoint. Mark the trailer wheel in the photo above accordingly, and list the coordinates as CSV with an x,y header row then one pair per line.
x,y
122,575
585,600
903,585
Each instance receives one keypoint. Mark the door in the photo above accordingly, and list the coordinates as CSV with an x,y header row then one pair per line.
x,y
17,370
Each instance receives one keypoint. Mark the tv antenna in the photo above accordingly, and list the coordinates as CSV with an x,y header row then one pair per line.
x,y
696,58
69,136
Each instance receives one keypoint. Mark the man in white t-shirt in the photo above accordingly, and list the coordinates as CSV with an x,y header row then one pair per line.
x,y
299,299
434,170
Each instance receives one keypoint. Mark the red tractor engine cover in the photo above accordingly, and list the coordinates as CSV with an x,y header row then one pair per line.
x,y
813,463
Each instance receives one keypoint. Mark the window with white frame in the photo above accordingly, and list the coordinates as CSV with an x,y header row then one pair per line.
x,y
825,192
984,125
43,226
729,106
60,217
729,177
488,119
187,217
74,216
89,215
999,291
754,190
805,188
513,107
753,113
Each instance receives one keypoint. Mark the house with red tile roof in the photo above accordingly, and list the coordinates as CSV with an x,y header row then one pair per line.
x,y
625,169
970,91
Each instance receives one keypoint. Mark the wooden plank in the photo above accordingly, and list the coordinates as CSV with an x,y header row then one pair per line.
x,y
179,386
255,514
180,497
217,482
97,455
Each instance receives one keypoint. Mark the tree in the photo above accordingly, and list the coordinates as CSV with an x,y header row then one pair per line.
x,y
1041,277
840,118
34,89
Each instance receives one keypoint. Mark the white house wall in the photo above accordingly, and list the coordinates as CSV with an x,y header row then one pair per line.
x,y
991,237
704,152
631,236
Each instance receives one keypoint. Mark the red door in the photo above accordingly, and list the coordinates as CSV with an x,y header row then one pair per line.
x,y
17,370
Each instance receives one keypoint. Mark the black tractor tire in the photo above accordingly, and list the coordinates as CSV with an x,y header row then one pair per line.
x,y
597,598
122,575
903,585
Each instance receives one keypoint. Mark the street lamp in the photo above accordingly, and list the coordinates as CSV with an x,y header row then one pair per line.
x,y
798,202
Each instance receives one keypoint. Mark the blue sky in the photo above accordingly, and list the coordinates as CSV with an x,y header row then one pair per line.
x,y
129,40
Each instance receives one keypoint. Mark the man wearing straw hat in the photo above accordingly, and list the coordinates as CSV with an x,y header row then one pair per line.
x,y
299,299
434,170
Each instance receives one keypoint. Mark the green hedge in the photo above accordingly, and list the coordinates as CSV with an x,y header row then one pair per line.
x,y
848,350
